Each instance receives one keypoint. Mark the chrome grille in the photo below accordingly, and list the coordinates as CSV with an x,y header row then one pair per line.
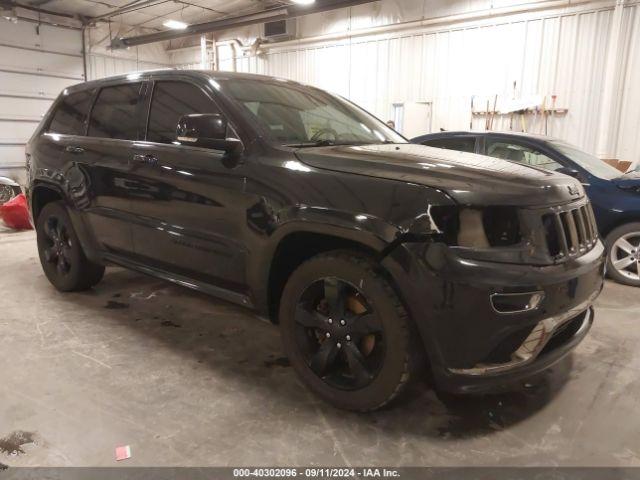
x,y
570,232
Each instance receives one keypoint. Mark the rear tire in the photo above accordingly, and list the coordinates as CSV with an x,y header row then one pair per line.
x,y
61,256
623,254
365,362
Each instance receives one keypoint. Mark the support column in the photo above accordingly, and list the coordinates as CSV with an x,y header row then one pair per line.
x,y
203,52
84,53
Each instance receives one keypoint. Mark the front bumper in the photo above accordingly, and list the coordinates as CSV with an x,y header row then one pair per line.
x,y
471,346
489,378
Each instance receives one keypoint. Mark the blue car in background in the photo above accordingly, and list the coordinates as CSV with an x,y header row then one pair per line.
x,y
615,196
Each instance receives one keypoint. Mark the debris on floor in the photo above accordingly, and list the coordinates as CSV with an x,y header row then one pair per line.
x,y
12,444
123,453
111,305
169,323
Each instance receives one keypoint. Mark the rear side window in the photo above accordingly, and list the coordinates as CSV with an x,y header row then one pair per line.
x,y
70,115
170,101
114,114
462,144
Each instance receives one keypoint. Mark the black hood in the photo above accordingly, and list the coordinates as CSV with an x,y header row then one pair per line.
x,y
470,179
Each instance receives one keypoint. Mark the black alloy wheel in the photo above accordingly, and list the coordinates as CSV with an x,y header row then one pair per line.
x,y
339,334
346,332
57,251
61,256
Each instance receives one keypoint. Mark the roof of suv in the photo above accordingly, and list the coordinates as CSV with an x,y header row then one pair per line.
x,y
168,72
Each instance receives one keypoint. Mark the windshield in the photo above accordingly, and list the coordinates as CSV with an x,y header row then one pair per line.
x,y
297,115
590,163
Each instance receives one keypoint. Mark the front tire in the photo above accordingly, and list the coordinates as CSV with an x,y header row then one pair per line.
x,y
346,332
623,254
61,256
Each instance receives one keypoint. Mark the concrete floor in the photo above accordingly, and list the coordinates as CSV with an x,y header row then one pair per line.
x,y
188,380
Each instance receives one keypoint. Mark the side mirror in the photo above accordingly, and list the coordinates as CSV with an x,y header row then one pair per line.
x,y
572,172
207,130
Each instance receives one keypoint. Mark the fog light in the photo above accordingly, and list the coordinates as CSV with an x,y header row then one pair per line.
x,y
516,302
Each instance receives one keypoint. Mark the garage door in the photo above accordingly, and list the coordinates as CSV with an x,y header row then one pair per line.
x,y
38,61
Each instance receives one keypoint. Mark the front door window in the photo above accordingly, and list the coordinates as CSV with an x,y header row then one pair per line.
x,y
520,154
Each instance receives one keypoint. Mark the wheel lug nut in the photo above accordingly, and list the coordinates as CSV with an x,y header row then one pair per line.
x,y
348,338
338,345
328,335
330,321
342,322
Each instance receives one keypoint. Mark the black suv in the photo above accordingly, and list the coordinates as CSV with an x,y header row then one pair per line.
x,y
375,256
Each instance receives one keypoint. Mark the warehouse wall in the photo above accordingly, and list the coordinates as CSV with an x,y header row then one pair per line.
x,y
628,138
37,63
40,61
104,62
444,53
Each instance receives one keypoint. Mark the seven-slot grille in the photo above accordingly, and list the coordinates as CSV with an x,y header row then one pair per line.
x,y
570,232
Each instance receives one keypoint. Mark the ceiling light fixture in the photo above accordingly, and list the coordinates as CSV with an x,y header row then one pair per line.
x,y
175,24
303,2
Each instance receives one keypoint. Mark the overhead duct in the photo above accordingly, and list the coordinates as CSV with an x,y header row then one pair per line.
x,y
273,14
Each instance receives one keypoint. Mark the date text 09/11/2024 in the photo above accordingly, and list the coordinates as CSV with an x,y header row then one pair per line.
x,y
320,472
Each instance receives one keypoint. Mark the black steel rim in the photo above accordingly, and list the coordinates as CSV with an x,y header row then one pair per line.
x,y
339,334
58,245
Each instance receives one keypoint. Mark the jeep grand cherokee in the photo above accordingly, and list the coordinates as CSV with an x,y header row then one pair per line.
x,y
375,256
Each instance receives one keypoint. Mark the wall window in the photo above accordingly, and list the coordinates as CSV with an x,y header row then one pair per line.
x,y
398,116
70,115
520,154
114,114
172,100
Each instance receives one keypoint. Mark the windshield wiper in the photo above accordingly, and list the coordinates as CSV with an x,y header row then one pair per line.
x,y
332,143
319,143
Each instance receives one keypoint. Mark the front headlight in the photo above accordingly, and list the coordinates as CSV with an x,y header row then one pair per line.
x,y
472,233
479,228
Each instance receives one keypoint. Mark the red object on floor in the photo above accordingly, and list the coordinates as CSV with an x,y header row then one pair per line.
x,y
15,214
123,453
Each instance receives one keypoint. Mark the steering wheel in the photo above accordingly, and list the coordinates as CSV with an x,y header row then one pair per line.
x,y
324,131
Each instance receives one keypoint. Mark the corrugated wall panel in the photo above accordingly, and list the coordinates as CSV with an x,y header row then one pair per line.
x,y
102,61
100,66
545,53
628,140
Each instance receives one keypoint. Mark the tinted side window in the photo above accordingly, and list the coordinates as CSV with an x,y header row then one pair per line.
x,y
170,101
71,113
114,114
462,144
520,154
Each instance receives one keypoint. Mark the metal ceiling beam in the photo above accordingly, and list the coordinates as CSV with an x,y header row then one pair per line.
x,y
39,10
128,8
268,15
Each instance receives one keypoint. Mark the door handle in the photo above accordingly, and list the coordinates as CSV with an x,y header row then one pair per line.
x,y
146,159
73,149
